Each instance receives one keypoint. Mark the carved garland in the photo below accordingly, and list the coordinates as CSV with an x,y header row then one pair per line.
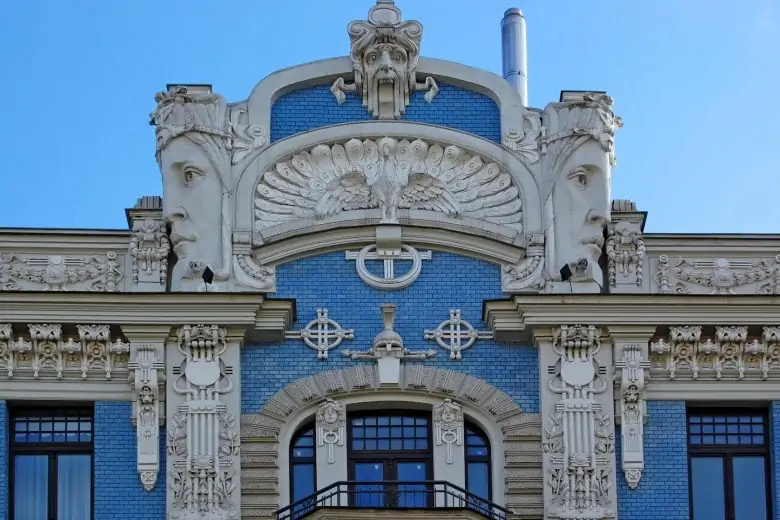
x,y
719,276
50,353
60,273
260,432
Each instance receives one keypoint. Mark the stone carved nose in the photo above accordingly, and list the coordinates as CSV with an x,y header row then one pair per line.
x,y
384,61
177,214
594,217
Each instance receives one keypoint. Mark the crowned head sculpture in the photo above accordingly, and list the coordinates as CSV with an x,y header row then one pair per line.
x,y
385,52
193,152
579,156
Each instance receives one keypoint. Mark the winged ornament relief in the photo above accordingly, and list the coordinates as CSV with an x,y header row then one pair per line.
x,y
389,175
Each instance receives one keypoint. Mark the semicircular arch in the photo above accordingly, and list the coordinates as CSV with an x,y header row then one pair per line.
x,y
265,436
272,214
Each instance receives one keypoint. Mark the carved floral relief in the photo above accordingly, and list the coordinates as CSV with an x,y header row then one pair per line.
x,y
60,273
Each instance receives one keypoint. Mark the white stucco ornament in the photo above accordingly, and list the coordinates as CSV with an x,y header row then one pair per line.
x,y
456,334
385,52
448,425
331,424
147,374
322,334
388,350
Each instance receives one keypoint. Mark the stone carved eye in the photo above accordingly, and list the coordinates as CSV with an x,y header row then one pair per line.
x,y
191,175
371,58
398,57
580,178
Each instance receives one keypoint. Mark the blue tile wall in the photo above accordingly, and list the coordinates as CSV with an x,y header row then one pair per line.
x,y
447,281
314,107
774,419
3,460
117,482
662,493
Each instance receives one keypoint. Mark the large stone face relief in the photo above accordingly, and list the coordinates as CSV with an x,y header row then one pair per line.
x,y
386,176
385,52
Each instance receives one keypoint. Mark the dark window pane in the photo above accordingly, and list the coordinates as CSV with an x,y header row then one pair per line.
x,y
369,495
74,495
412,495
749,488
30,495
477,479
303,481
707,488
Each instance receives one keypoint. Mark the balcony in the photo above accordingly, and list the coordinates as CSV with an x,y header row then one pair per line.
x,y
383,500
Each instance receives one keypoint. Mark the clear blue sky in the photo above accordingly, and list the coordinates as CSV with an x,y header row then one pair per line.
x,y
696,82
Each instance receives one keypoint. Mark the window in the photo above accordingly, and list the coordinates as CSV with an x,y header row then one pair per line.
x,y
390,446
728,464
51,463
478,478
303,474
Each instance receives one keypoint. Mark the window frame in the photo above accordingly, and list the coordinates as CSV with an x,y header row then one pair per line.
x,y
727,452
300,432
51,449
488,459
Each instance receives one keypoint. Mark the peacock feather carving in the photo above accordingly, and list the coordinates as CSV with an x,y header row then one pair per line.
x,y
386,174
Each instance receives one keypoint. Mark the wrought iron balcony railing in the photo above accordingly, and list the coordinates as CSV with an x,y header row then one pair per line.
x,y
431,495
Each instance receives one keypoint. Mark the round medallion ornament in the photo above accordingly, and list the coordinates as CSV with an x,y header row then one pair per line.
x,y
202,373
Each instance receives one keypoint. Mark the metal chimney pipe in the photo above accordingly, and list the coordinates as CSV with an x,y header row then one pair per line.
x,y
514,55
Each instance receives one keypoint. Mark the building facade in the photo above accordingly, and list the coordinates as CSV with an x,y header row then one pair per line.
x,y
384,285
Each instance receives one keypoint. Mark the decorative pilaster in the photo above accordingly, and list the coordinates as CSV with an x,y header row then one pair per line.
x,y
331,431
578,437
149,245
147,376
631,354
625,248
203,436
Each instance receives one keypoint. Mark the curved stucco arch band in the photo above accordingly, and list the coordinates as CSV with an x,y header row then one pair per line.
x,y
324,72
284,149
515,436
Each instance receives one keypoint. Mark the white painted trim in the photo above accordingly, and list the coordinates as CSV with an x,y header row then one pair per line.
x,y
713,391
244,191
29,389
314,244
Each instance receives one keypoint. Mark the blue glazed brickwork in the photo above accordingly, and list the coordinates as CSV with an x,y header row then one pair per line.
x,y
4,460
662,493
453,107
117,483
447,282
774,419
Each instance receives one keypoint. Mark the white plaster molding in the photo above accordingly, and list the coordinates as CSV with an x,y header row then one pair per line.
x,y
149,245
578,441
388,351
448,426
490,153
514,436
322,334
45,352
633,411
528,273
57,272
456,334
148,372
331,427
734,352
625,248
384,176
524,140
203,437
717,276
385,52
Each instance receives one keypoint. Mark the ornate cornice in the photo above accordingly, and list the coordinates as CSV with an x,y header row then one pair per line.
x,y
265,319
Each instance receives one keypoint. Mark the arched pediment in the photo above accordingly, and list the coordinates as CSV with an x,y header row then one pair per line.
x,y
386,172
